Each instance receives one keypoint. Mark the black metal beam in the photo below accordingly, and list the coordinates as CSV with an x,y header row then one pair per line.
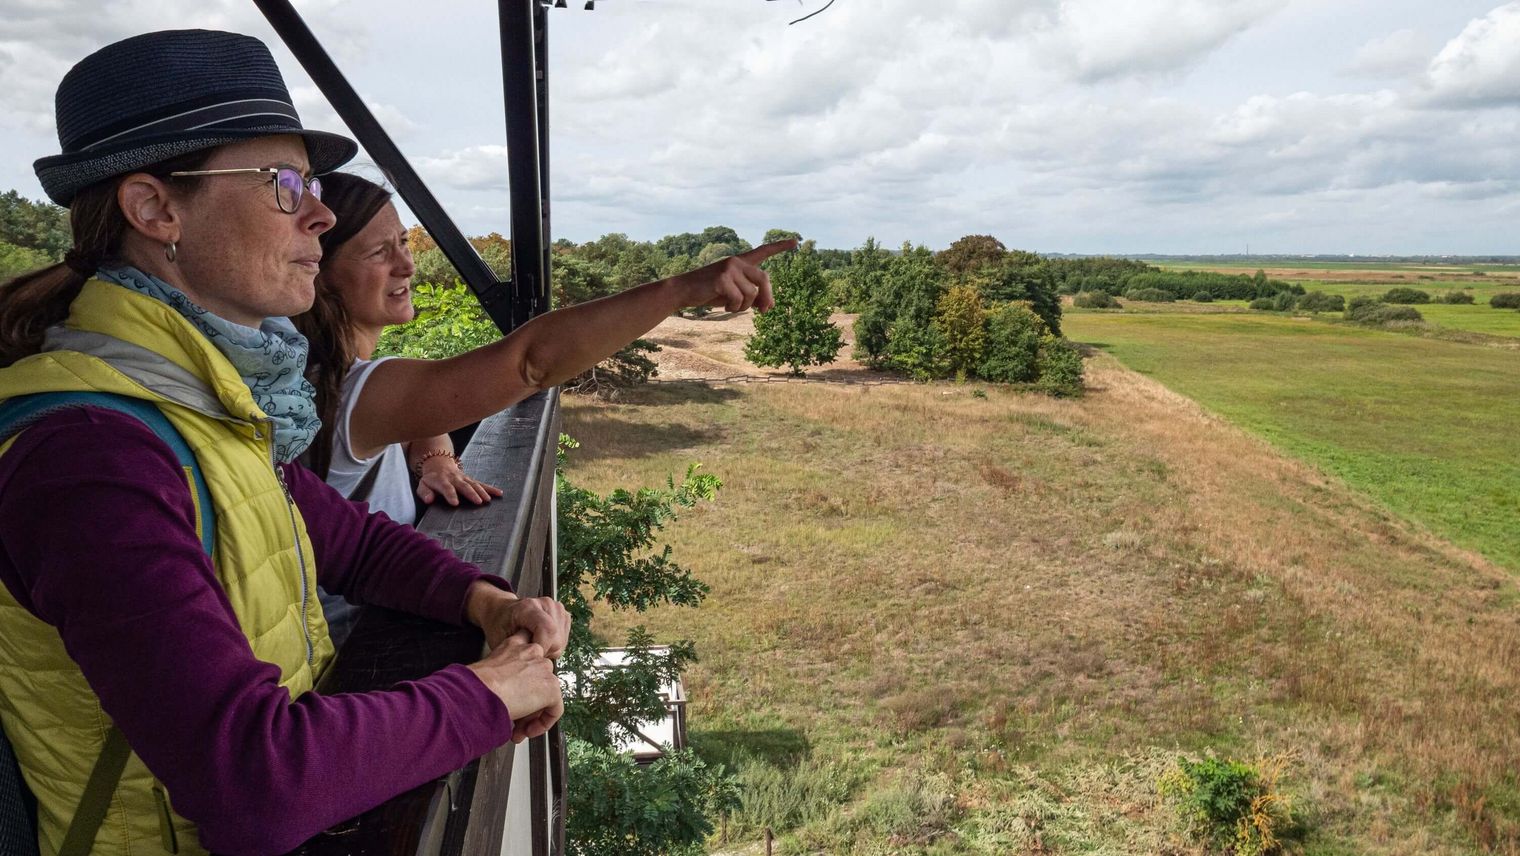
x,y
492,293
524,58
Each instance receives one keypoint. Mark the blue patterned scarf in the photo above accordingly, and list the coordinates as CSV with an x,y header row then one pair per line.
x,y
271,359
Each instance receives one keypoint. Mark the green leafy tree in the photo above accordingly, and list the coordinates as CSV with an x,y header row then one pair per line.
x,y
961,323
972,253
1060,367
1024,276
716,251
449,321
1011,353
797,332
16,260
773,235
863,277
576,280
40,226
607,554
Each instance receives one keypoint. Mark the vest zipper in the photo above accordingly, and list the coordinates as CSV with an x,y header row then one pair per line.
x,y
295,532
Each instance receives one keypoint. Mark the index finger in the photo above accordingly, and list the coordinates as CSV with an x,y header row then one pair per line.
x,y
765,251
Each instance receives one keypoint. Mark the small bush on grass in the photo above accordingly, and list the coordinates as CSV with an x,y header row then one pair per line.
x,y
1150,295
1505,300
1232,806
1406,296
1094,300
1263,304
1319,301
1203,297
1284,301
1381,313
1456,297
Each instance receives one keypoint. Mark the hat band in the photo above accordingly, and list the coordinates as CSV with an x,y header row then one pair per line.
x,y
225,113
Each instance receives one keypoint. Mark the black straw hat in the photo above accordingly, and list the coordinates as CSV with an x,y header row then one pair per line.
x,y
160,95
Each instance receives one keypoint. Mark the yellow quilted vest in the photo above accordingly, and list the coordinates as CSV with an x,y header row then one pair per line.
x,y
118,341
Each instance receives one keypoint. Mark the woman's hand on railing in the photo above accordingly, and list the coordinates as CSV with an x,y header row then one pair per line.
x,y
735,283
443,479
502,614
521,674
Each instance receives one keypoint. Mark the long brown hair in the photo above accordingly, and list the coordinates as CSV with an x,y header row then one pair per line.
x,y
354,201
32,302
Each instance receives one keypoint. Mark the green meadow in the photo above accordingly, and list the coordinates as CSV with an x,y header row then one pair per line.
x,y
1425,426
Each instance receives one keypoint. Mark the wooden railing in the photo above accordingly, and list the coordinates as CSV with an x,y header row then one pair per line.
x,y
511,801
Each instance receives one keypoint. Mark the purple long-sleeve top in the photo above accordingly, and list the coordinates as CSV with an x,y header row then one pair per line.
x,y
97,538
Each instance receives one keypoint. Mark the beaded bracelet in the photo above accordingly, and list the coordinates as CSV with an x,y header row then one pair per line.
x,y
432,453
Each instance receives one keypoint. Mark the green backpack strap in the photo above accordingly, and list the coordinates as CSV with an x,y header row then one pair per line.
x,y
18,414
96,800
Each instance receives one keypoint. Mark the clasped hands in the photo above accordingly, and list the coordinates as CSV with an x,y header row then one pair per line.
x,y
524,636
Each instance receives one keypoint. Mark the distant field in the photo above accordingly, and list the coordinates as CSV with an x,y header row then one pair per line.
x,y
1436,270
1426,426
1477,318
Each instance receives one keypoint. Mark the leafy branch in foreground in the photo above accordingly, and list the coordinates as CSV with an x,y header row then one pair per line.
x,y
607,554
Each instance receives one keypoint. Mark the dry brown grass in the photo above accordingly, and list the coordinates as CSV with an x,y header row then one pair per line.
x,y
1018,589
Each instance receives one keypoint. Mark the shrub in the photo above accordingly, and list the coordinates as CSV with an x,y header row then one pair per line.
x,y
1150,295
617,808
628,367
1319,301
1505,300
1406,296
1284,301
1381,313
1456,297
1094,300
1263,303
1012,348
1232,806
1203,297
1060,367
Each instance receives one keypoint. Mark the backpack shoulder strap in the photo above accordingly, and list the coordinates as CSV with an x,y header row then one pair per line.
x,y
18,414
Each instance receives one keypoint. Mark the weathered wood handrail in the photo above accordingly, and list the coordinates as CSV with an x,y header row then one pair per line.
x,y
482,808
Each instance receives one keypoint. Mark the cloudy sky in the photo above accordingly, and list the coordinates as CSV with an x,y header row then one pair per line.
x,y
1118,126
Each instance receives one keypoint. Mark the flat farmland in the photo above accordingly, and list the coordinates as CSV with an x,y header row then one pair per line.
x,y
1423,425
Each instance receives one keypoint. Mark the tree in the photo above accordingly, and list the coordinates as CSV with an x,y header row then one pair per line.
x,y
961,322
797,332
863,276
576,280
716,252
607,553
773,235
1024,276
1011,352
40,226
972,253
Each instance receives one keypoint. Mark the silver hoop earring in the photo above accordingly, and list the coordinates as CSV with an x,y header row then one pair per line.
x,y
170,251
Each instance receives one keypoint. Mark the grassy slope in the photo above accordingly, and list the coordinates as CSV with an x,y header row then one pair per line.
x,y
945,624
1426,426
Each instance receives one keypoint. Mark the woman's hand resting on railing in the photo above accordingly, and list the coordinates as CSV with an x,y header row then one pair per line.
x,y
521,674
502,614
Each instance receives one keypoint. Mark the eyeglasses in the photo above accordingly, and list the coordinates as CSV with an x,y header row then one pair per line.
x,y
289,186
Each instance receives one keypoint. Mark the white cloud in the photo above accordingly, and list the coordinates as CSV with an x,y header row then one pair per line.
x,y
1481,66
1399,54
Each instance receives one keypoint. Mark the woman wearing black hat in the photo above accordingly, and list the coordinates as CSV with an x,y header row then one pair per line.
x,y
159,552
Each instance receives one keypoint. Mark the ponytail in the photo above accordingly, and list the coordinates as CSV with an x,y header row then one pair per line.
x,y
32,302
